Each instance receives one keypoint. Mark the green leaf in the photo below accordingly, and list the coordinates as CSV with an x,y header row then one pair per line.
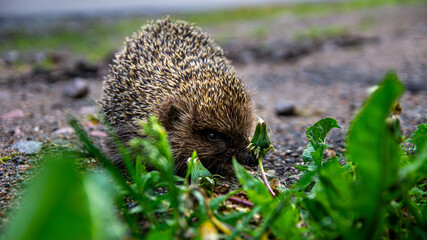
x,y
255,188
156,234
302,168
373,148
282,218
416,170
306,155
100,196
316,134
317,155
305,180
95,152
55,206
419,138
198,171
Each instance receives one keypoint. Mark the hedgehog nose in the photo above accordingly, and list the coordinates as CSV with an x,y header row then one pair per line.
x,y
247,158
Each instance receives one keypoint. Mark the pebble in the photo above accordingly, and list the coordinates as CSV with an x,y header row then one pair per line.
x,y
88,110
24,167
330,153
300,149
78,88
64,130
16,113
284,108
38,57
11,57
28,147
100,134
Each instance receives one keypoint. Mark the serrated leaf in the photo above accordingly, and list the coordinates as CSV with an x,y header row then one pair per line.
x,y
419,138
306,155
316,134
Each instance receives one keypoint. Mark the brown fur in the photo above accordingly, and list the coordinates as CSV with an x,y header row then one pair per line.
x,y
176,72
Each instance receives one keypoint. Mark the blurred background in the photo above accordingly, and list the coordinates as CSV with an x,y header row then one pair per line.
x,y
49,7
304,60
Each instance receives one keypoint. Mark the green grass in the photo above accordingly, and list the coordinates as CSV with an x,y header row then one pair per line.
x,y
300,9
366,23
317,33
100,38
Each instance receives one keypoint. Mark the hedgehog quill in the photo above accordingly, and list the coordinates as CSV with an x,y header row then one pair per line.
x,y
174,70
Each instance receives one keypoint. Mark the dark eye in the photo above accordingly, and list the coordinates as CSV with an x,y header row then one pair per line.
x,y
212,136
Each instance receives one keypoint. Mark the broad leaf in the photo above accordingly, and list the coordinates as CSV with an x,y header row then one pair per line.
x,y
374,150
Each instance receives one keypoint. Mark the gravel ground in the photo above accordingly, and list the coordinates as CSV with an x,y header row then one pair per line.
x,y
329,77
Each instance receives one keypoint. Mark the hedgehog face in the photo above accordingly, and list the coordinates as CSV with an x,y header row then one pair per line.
x,y
217,133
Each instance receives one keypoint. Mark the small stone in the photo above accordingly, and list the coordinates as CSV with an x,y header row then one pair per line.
x,y
284,108
78,88
100,134
38,57
16,113
63,131
24,167
17,131
28,147
11,57
223,188
300,149
88,110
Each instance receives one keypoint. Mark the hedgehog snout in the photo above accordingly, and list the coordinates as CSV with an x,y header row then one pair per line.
x,y
246,157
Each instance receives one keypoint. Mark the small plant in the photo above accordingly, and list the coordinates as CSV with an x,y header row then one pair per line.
x,y
260,145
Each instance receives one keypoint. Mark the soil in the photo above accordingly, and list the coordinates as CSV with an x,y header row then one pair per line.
x,y
323,77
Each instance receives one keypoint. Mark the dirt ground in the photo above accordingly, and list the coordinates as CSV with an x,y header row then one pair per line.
x,y
324,77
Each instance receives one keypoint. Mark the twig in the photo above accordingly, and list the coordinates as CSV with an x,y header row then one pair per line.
x,y
241,201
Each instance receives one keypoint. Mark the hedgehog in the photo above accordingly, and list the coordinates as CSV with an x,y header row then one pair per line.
x,y
175,71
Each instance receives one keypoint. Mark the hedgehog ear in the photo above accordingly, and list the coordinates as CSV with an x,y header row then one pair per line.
x,y
169,116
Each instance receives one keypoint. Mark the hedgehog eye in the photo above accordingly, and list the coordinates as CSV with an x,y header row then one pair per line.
x,y
213,136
